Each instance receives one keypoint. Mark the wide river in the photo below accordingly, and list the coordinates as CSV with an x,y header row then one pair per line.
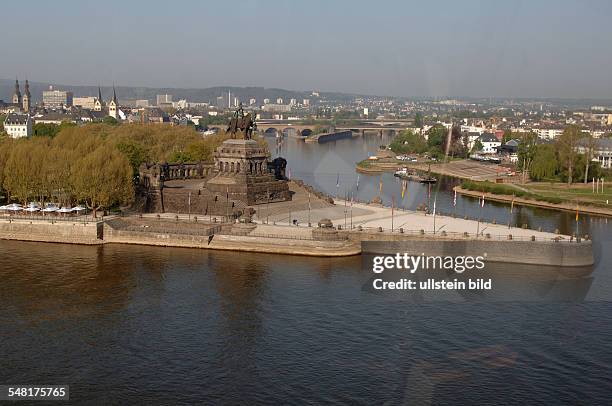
x,y
151,325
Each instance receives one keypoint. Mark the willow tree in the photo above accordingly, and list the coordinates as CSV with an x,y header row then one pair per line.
x,y
21,171
545,164
103,178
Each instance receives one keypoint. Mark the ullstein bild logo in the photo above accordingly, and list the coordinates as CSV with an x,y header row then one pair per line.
x,y
411,263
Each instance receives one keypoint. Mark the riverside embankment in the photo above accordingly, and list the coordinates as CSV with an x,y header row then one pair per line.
x,y
499,245
566,206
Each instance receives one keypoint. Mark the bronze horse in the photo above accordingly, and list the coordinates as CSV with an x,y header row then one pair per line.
x,y
241,123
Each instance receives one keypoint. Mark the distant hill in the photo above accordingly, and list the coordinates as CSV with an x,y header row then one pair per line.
x,y
193,95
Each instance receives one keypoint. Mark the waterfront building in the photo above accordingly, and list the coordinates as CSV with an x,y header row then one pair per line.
x,y
306,102
57,98
18,125
252,101
489,142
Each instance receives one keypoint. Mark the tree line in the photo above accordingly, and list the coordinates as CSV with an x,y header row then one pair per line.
x,y
561,159
94,164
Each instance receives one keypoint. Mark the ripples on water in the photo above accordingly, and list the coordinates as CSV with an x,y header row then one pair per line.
x,y
152,325
149,324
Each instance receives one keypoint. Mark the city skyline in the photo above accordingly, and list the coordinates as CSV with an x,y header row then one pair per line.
x,y
474,49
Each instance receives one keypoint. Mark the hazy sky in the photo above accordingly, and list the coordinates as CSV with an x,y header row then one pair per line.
x,y
507,48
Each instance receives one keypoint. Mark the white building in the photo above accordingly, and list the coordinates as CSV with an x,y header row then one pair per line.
x,y
306,102
489,143
602,152
550,133
18,125
277,107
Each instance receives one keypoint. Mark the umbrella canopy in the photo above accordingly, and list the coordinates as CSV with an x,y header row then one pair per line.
x,y
14,207
34,204
79,208
65,210
50,208
5,207
31,209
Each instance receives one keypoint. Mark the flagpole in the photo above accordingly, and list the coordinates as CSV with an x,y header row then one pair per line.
x,y
479,216
392,204
511,207
434,216
189,204
352,197
268,206
309,209
345,199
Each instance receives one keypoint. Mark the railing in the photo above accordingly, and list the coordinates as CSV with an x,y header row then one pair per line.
x,y
460,235
53,218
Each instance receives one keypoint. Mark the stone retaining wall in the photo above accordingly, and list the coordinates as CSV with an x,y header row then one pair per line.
x,y
47,231
521,252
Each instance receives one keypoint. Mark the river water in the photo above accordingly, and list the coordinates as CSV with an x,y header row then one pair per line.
x,y
151,325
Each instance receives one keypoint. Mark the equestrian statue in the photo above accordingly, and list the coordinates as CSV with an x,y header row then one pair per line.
x,y
241,125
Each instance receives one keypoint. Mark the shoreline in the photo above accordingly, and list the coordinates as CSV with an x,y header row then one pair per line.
x,y
520,246
565,207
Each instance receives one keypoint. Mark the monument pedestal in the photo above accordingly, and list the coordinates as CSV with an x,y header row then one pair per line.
x,y
243,174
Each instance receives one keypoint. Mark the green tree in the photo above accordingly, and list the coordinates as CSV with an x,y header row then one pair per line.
x,y
110,120
507,136
408,142
545,163
418,120
477,146
103,178
436,139
134,152
567,143
526,152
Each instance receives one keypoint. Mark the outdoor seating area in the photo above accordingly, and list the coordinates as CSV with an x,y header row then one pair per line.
x,y
49,209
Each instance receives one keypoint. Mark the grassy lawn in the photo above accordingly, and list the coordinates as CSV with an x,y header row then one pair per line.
x,y
576,192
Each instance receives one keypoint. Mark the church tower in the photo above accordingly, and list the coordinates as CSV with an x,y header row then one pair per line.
x,y
113,106
99,103
27,98
17,94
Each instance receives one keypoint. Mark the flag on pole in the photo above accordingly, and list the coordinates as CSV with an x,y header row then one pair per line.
x,y
434,207
512,205
380,186
403,188
455,199
577,217
357,181
338,181
483,200
289,173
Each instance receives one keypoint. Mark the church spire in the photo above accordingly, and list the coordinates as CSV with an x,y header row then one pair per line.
x,y
99,94
114,95
17,94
